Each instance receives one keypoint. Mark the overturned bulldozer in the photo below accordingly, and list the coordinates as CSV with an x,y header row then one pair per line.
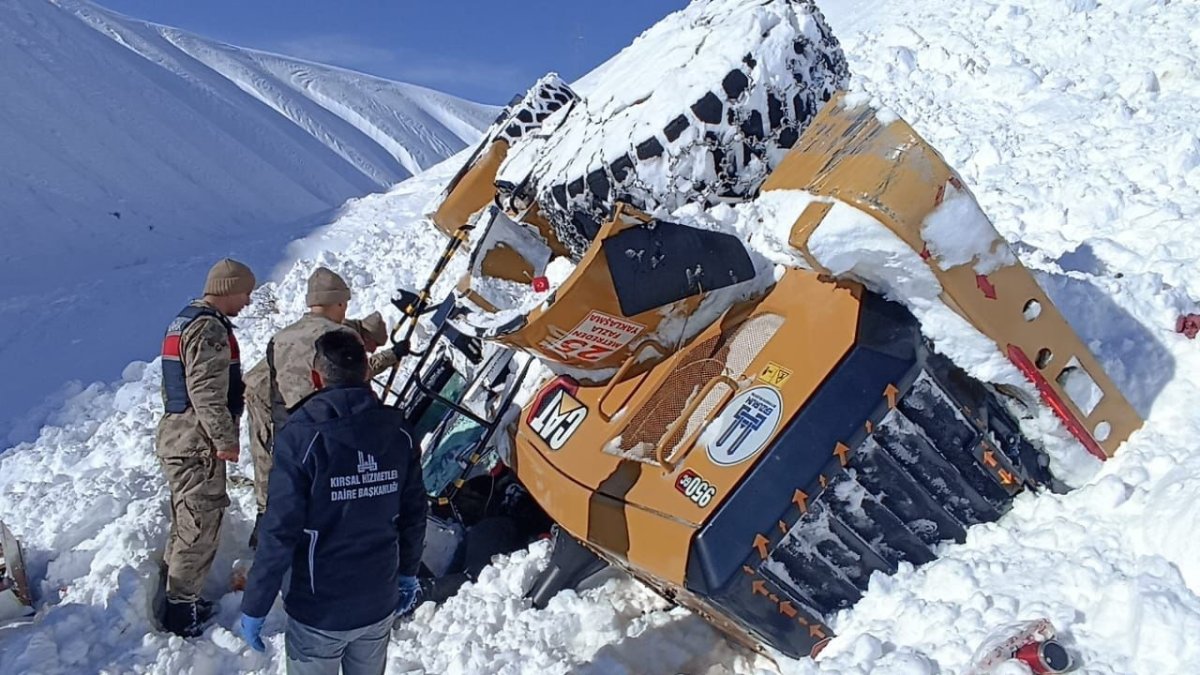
x,y
754,439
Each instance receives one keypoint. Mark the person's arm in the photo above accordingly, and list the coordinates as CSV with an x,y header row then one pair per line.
x,y
381,361
283,523
206,359
414,507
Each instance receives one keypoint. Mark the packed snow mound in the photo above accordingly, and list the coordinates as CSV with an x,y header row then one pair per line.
x,y
704,104
1105,212
133,154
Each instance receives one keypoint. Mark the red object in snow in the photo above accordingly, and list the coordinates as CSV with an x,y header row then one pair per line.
x,y
1189,325
1044,657
541,284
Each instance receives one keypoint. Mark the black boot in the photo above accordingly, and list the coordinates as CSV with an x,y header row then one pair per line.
x,y
204,609
183,618
254,532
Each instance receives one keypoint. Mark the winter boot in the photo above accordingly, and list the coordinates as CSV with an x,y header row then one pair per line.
x,y
184,618
204,609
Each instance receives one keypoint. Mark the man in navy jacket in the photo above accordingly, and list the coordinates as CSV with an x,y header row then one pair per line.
x,y
346,515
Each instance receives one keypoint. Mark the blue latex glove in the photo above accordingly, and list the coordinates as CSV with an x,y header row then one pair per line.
x,y
410,596
251,629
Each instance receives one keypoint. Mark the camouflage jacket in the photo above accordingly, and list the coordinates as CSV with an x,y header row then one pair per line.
x,y
207,425
258,382
290,357
258,378
381,361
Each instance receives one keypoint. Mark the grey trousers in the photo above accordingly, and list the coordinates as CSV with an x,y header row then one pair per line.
x,y
312,651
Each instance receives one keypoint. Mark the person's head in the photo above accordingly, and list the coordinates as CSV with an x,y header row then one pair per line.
x,y
373,331
340,359
228,286
327,294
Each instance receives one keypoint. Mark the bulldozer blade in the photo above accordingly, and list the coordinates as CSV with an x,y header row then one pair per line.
x,y
853,154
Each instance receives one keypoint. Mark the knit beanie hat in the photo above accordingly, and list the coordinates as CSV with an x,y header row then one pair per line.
x,y
229,277
373,326
325,287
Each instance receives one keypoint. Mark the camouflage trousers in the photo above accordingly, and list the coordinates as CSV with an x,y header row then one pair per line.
x,y
262,439
198,501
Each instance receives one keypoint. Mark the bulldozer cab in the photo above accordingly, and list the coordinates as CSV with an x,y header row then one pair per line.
x,y
456,400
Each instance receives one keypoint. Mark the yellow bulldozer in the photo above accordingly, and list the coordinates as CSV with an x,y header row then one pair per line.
x,y
751,438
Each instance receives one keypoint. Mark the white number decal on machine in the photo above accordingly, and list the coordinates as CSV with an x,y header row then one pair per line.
x,y
558,419
695,488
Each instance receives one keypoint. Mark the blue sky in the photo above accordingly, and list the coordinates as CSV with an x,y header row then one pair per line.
x,y
483,51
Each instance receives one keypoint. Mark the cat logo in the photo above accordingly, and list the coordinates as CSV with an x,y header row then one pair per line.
x,y
558,419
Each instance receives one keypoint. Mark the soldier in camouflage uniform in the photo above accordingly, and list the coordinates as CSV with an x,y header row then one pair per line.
x,y
371,330
374,334
262,432
202,399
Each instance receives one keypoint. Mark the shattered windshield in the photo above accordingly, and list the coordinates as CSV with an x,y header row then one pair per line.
x,y
450,456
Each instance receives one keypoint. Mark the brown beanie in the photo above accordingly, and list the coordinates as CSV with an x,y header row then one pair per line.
x,y
372,326
229,277
325,287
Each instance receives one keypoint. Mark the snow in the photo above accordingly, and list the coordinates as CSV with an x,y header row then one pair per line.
x,y
1078,157
132,155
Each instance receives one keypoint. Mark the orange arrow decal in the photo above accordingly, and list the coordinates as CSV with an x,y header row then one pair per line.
x,y
749,572
891,392
1007,478
842,452
758,587
786,609
815,631
783,527
989,458
823,481
870,427
800,500
760,543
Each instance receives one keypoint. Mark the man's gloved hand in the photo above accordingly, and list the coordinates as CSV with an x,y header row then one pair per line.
x,y
401,349
410,596
251,630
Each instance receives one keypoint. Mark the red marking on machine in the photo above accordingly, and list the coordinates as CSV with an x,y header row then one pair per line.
x,y
985,285
1055,402
541,284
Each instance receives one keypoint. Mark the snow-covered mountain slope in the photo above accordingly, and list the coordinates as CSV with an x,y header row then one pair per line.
x,y
132,153
1073,122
